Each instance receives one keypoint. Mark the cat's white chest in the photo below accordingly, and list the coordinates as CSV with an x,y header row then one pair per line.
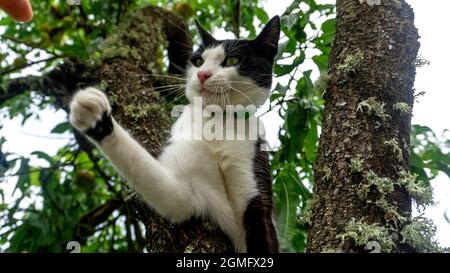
x,y
235,162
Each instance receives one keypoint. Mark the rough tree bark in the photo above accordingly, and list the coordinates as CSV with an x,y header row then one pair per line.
x,y
130,58
365,136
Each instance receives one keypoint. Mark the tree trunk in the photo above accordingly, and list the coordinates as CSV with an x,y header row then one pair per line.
x,y
130,58
364,145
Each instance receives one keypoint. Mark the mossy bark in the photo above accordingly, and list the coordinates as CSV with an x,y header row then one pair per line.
x,y
130,59
372,68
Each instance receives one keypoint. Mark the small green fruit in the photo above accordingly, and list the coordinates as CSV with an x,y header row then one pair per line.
x,y
84,179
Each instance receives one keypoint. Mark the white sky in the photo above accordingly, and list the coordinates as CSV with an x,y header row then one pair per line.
x,y
432,109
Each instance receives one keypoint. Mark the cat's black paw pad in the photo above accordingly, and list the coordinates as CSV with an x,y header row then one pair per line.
x,y
90,113
102,129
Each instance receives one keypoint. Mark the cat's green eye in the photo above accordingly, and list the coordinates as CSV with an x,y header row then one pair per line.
x,y
198,62
232,61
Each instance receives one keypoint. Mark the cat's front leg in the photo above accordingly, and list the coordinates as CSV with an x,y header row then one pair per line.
x,y
90,113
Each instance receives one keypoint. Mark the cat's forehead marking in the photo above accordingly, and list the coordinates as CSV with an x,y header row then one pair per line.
x,y
215,54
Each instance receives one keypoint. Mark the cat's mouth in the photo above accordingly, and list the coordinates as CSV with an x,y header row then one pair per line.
x,y
213,89
208,92
205,90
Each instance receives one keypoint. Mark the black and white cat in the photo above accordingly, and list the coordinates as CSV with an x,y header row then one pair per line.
x,y
228,181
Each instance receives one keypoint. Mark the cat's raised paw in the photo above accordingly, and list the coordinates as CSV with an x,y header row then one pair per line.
x,y
88,110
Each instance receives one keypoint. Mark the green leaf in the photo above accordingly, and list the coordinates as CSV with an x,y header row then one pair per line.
x,y
61,128
288,201
43,155
305,87
324,40
420,129
83,161
275,96
281,70
289,21
329,26
281,89
311,140
261,15
34,177
23,174
322,62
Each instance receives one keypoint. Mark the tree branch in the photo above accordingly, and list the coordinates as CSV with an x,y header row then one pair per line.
x,y
237,17
105,177
19,86
17,68
28,44
86,225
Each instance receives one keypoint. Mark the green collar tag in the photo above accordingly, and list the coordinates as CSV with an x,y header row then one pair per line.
x,y
242,115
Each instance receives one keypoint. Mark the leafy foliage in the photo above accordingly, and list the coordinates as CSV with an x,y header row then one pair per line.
x,y
430,154
52,197
300,104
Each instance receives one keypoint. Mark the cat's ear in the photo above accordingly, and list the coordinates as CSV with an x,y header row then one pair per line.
x,y
267,40
207,38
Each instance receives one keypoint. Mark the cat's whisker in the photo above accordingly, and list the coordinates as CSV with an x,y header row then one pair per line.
x,y
175,99
174,84
184,44
188,34
235,47
213,99
242,93
248,83
178,67
241,24
163,89
227,97
175,90
240,64
215,89
159,75
168,104
168,76
186,52
169,86
167,91
258,75
232,47
223,93
222,101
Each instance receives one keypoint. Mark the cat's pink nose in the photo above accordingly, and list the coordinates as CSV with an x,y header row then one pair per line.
x,y
203,75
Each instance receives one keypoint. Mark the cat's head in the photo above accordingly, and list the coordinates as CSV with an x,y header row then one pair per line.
x,y
233,72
